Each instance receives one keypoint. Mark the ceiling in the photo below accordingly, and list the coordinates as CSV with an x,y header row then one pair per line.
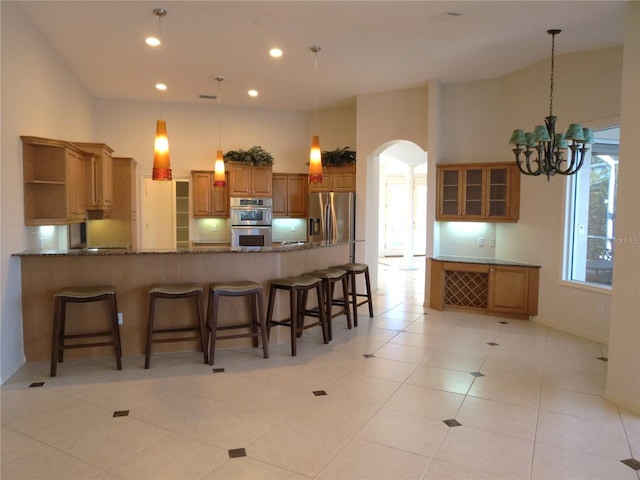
x,y
367,46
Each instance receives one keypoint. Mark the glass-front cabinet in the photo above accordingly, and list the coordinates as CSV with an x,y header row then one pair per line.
x,y
478,192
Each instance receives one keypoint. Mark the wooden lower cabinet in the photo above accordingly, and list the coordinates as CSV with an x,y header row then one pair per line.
x,y
503,290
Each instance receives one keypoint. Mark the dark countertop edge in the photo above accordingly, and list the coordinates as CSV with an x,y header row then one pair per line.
x,y
293,247
483,261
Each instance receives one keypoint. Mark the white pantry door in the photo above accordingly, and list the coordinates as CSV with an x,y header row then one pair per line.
x,y
158,214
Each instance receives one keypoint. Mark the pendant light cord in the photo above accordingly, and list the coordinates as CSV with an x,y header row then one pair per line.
x,y
553,47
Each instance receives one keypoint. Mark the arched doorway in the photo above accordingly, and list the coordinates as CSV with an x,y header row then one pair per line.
x,y
396,203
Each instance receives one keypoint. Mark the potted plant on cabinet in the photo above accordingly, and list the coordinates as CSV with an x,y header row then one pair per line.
x,y
339,157
256,156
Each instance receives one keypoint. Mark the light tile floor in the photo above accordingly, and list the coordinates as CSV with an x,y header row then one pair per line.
x,y
525,402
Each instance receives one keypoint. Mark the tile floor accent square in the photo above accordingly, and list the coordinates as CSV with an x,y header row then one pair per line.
x,y
319,393
504,323
604,359
477,374
218,370
237,453
369,355
452,422
632,462
121,413
493,344
36,384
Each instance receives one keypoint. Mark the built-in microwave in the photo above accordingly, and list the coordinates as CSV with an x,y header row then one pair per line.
x,y
251,211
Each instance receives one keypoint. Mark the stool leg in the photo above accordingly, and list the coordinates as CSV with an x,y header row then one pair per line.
x,y
204,344
328,304
368,283
152,309
63,319
295,318
213,325
253,324
115,331
272,294
354,297
55,337
345,296
323,317
263,325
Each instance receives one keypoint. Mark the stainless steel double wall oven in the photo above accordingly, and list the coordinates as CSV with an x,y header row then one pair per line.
x,y
251,221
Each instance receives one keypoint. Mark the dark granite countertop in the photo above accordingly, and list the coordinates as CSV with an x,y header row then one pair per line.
x,y
483,261
193,249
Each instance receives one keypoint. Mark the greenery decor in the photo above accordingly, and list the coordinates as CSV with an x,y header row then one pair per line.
x,y
256,155
338,157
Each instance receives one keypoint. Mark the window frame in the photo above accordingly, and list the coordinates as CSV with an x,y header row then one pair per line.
x,y
569,228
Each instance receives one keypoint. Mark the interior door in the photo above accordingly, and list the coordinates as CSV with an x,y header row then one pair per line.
x,y
158,217
395,208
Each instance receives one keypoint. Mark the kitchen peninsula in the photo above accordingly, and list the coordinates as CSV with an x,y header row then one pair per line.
x,y
132,272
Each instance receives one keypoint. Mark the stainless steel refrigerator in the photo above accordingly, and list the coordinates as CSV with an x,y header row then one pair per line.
x,y
332,216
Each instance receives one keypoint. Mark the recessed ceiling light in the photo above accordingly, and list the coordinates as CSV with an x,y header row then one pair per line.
x,y
152,41
275,52
253,93
161,86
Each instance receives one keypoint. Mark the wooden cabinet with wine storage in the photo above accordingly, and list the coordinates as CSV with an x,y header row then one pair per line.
x,y
496,287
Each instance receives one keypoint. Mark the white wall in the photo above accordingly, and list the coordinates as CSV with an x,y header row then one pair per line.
x,y
382,118
623,380
41,96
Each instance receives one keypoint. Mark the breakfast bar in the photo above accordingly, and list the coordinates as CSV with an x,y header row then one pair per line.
x,y
132,272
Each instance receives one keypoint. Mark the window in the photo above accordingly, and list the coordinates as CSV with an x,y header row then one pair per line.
x,y
591,213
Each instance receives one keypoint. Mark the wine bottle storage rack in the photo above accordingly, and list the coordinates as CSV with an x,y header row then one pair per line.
x,y
466,289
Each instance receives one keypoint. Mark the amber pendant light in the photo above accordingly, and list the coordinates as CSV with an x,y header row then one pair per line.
x,y
315,155
161,163
219,179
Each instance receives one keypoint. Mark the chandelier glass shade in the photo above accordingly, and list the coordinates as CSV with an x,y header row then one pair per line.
x,y
545,152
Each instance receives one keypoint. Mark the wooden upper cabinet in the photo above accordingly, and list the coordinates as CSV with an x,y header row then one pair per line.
x,y
209,201
478,192
290,195
249,181
336,179
98,175
53,173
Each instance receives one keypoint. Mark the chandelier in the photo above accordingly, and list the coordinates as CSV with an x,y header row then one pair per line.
x,y
542,152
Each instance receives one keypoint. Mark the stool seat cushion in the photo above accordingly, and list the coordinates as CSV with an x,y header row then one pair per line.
x,y
86,292
329,273
355,267
176,288
301,281
235,287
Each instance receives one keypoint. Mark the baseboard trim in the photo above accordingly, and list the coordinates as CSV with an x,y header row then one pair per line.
x,y
622,402
10,372
573,331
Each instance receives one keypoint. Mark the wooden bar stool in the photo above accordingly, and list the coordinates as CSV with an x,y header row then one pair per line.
x,y
298,287
257,321
354,269
83,295
173,292
329,278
